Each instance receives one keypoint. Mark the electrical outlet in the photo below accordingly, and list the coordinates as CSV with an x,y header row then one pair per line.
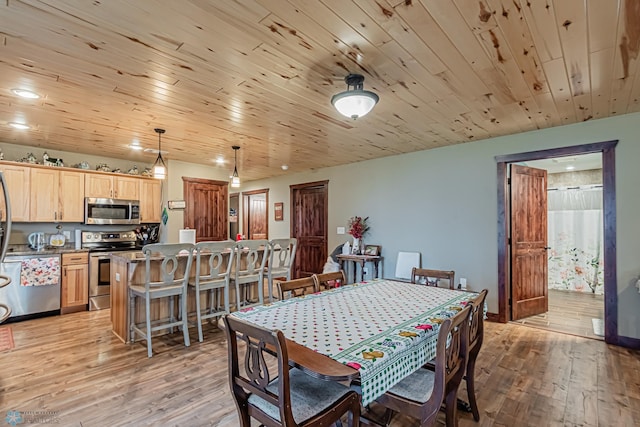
x,y
365,271
67,235
117,277
340,230
463,283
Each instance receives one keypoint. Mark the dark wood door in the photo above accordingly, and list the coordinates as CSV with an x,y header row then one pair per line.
x,y
528,242
309,217
255,217
207,208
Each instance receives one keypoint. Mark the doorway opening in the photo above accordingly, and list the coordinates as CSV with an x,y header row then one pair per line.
x,y
309,219
255,217
607,150
574,258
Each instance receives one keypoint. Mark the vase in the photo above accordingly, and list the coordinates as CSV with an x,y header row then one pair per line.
x,y
355,248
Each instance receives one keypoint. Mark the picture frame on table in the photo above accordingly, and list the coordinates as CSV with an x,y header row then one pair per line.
x,y
373,250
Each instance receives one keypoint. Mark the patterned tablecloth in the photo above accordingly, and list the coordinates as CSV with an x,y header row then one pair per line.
x,y
385,329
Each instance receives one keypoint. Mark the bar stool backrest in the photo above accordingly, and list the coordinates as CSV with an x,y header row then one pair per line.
x,y
251,257
171,254
218,256
283,253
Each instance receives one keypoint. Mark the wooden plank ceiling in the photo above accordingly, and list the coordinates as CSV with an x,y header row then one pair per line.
x,y
260,74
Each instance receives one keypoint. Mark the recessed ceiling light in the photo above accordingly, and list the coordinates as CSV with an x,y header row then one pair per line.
x,y
24,93
20,126
284,167
220,161
134,146
570,168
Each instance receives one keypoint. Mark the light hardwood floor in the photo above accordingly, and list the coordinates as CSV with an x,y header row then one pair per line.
x,y
569,313
74,366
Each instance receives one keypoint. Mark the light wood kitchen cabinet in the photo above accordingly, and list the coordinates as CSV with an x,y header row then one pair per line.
x,y
150,200
71,197
112,187
75,282
97,185
18,179
56,196
126,188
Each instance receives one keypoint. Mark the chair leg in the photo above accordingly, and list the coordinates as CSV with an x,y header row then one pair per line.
x,y
261,290
237,297
147,307
451,404
227,304
185,320
198,315
270,287
172,317
471,388
387,416
132,316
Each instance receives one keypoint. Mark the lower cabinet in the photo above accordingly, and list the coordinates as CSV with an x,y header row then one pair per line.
x,y
75,282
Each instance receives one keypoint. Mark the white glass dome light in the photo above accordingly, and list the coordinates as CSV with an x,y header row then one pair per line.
x,y
356,102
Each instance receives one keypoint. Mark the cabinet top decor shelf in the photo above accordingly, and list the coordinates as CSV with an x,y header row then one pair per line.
x,y
68,169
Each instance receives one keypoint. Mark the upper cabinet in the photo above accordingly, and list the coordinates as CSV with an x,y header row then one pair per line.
x,y
51,194
112,187
18,180
56,196
150,200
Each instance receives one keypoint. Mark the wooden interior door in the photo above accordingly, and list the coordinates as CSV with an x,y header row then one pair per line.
x,y
206,210
529,295
255,223
309,217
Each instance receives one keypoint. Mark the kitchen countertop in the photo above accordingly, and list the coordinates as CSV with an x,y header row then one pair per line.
x,y
22,250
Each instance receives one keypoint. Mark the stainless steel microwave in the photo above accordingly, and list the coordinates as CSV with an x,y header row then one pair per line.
x,y
111,211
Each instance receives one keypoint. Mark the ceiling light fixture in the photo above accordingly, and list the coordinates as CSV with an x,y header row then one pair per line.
x,y
354,102
20,126
235,179
24,93
220,160
159,168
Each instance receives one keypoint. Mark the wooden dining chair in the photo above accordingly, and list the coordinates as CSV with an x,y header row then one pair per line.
x,y
326,281
275,394
297,287
421,394
476,336
424,276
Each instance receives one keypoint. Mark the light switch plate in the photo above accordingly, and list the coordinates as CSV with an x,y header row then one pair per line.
x,y
67,234
340,230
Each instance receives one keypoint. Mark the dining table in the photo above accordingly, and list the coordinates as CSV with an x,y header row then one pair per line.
x,y
378,331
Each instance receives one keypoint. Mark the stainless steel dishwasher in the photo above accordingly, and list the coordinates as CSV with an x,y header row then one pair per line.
x,y
35,284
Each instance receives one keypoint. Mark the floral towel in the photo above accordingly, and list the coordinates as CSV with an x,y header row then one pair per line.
x,y
40,271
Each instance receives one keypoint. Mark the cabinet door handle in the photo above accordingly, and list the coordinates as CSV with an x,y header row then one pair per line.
x,y
55,215
60,216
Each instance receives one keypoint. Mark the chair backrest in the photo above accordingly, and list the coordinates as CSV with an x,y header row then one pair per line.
x,y
256,375
214,261
297,287
405,262
476,326
251,257
452,351
329,280
282,253
173,256
428,277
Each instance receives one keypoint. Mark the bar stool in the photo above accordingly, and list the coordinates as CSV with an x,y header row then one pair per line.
x,y
168,286
251,258
213,271
282,253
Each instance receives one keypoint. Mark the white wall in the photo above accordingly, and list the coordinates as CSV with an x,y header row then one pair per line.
x,y
443,203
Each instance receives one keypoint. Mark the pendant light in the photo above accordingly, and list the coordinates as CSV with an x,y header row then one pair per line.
x,y
159,168
354,102
235,179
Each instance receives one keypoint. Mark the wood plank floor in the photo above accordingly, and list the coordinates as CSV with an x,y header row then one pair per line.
x,y
569,313
73,366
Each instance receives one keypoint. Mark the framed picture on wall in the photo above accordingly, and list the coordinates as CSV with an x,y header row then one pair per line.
x,y
278,208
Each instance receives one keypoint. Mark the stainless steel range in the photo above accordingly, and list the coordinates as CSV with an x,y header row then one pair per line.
x,y
101,245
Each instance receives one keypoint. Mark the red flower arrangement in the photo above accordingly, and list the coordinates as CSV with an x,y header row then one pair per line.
x,y
358,226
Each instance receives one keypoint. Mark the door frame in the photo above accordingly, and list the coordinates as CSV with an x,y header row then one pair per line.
x,y
607,148
246,209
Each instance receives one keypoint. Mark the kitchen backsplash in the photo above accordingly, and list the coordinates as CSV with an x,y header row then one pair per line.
x,y
20,230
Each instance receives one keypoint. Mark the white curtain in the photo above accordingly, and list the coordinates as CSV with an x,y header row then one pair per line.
x,y
575,237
